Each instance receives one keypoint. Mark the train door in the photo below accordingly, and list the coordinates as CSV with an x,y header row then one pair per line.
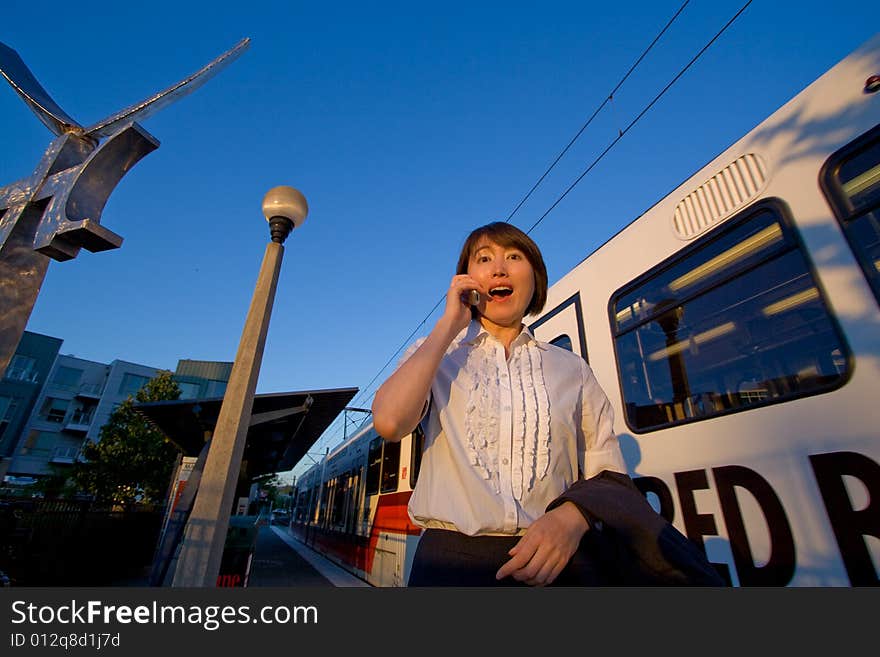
x,y
563,326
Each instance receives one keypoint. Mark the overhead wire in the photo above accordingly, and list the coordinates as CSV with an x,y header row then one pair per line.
x,y
621,133
595,113
367,389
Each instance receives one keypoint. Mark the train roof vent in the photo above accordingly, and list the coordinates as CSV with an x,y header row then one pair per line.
x,y
729,190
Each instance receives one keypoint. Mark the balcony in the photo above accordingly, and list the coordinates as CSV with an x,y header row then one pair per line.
x,y
65,455
53,415
89,390
79,421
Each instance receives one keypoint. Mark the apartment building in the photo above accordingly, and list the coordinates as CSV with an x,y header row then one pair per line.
x,y
51,403
20,386
74,403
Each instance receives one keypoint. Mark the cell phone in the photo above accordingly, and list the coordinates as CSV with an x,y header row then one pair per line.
x,y
473,297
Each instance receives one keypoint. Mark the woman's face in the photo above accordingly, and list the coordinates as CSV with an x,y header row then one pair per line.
x,y
509,278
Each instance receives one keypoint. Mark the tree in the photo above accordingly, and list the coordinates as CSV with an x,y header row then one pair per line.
x,y
56,485
132,460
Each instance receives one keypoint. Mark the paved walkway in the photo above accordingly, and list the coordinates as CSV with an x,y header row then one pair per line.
x,y
281,560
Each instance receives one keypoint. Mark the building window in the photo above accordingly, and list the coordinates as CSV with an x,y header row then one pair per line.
x,y
67,377
215,388
54,409
131,383
82,415
39,443
8,406
21,368
188,390
735,322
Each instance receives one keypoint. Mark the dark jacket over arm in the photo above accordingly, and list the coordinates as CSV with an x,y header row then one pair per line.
x,y
636,543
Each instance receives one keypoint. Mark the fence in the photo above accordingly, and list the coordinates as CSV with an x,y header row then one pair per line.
x,y
62,543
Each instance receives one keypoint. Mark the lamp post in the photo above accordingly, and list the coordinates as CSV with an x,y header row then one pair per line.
x,y
198,563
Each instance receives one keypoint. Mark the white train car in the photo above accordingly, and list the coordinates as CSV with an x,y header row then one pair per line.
x,y
735,327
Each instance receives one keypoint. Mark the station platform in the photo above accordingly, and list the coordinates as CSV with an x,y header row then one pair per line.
x,y
281,560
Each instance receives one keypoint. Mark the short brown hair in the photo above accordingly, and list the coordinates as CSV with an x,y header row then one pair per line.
x,y
509,236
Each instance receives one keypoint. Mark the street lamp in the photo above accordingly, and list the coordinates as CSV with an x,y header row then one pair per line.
x,y
202,548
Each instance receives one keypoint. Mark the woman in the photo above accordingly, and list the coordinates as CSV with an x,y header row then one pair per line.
x,y
511,424
512,421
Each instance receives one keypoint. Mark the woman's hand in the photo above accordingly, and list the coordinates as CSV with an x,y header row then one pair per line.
x,y
458,309
399,403
546,547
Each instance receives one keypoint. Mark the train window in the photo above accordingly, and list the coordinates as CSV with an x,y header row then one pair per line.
x,y
302,506
340,501
563,341
351,501
363,504
308,506
390,467
374,465
305,507
316,504
415,459
321,504
566,314
734,322
851,182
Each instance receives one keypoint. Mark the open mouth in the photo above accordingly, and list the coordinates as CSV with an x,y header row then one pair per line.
x,y
500,292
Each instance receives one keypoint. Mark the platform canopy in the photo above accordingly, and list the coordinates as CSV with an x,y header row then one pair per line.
x,y
283,426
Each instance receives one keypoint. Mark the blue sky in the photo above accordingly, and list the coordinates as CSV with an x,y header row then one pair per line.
x,y
405,125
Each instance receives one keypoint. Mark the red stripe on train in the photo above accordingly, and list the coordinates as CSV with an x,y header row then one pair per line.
x,y
391,518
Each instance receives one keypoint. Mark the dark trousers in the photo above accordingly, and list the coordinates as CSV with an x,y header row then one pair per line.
x,y
448,558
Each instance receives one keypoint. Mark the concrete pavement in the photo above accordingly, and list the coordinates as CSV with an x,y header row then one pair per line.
x,y
281,560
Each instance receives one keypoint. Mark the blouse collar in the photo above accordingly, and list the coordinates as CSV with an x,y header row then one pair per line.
x,y
475,333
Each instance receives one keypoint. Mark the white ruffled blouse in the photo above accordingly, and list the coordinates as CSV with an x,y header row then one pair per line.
x,y
505,436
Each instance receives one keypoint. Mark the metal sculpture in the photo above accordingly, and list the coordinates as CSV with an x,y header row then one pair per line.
x,y
56,211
